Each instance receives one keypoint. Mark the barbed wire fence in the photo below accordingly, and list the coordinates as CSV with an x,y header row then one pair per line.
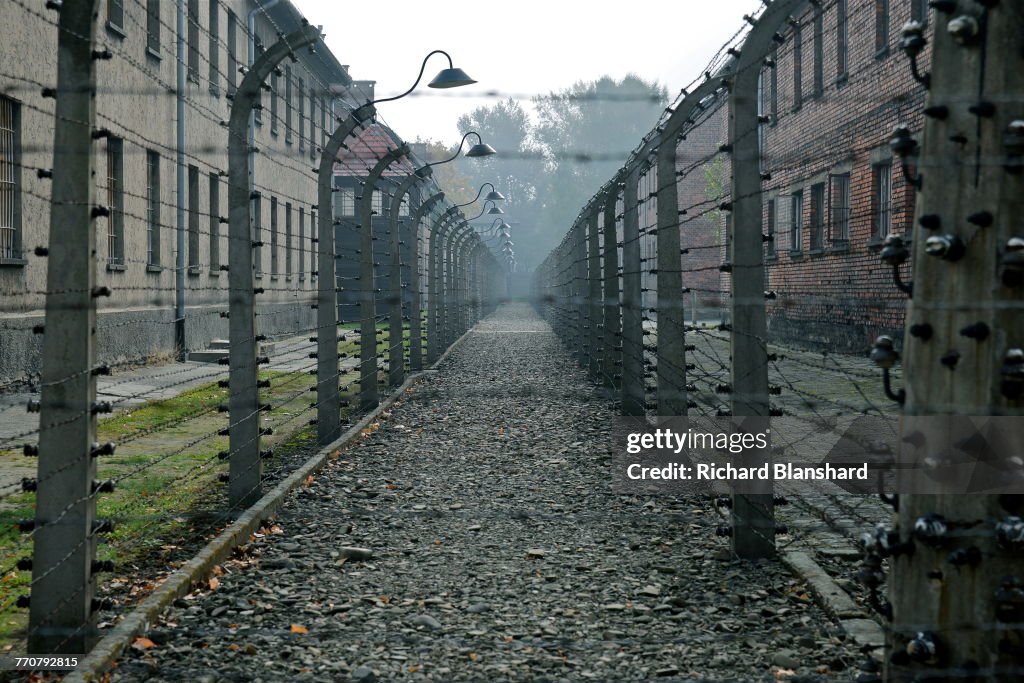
x,y
111,488
705,217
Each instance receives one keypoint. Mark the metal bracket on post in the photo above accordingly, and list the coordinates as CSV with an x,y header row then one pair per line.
x,y
327,373
61,617
369,394
245,464
415,303
632,301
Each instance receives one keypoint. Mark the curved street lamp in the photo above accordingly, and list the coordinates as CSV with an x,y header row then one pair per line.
x,y
452,77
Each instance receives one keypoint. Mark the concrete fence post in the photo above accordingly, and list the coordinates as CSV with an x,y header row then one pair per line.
x,y
369,392
61,617
327,375
245,476
611,359
632,301
413,292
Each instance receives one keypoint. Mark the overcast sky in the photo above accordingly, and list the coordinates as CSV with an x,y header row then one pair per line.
x,y
526,47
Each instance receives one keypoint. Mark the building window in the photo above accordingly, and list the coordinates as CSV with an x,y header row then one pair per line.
x,y
796,222
842,40
115,15
881,200
302,115
232,53
403,208
377,203
775,87
323,123
115,202
817,216
919,11
153,27
839,200
770,243
346,201
273,237
314,246
881,27
257,234
214,222
288,105
193,220
288,239
152,208
302,243
798,67
193,40
10,179
312,124
214,45
275,83
819,53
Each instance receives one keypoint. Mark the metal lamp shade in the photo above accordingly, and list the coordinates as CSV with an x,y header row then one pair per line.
x,y
480,149
494,196
494,210
451,78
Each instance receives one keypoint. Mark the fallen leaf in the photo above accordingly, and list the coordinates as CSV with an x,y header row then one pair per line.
x,y
233,646
143,643
299,629
783,673
214,583
473,656
217,570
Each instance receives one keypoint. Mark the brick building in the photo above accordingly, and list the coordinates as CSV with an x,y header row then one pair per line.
x,y
138,177
838,86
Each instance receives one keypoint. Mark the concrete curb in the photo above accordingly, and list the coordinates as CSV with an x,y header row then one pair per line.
x,y
180,582
858,626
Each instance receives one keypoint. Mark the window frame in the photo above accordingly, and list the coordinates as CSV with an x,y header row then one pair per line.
x,y
11,181
796,222
153,236
115,203
816,232
214,235
881,207
153,28
214,47
274,264
818,86
192,178
798,66
192,40
842,42
839,209
882,20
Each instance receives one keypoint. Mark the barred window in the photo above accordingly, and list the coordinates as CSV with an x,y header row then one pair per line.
x,y
302,115
288,105
313,231
152,208
214,222
796,226
274,85
115,202
10,179
403,208
302,243
346,201
273,237
193,219
881,27
798,67
115,13
193,40
819,53
153,27
817,216
288,239
232,53
257,234
377,203
882,200
842,40
839,199
770,243
214,45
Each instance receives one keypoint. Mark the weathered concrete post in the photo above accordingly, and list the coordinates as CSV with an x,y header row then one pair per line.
x,y
245,465
612,357
415,303
61,612
955,591
632,301
369,393
396,326
327,375
753,529
596,308
434,285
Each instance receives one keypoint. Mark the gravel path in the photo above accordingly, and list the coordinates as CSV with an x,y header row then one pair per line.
x,y
498,553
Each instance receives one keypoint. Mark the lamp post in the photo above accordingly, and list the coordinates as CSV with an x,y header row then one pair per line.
x,y
328,400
